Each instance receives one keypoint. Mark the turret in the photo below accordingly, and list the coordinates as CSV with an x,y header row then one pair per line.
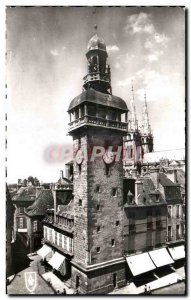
x,y
99,75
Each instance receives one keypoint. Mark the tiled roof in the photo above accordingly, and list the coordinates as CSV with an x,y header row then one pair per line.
x,y
25,194
165,181
43,202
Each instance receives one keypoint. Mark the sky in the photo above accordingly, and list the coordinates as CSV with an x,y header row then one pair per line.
x,y
46,63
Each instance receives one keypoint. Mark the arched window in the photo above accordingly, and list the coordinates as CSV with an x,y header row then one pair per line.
x,y
94,61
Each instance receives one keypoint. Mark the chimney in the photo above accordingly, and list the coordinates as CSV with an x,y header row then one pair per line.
x,y
154,174
61,174
55,204
175,176
138,192
67,171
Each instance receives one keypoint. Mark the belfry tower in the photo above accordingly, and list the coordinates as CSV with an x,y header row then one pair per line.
x,y
98,120
146,133
99,76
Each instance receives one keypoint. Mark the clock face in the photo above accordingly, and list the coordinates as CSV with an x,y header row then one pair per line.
x,y
108,157
79,157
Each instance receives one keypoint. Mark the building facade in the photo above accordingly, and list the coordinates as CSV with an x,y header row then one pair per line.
x,y
104,217
24,197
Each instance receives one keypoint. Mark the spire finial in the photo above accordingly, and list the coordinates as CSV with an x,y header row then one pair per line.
x,y
132,85
145,96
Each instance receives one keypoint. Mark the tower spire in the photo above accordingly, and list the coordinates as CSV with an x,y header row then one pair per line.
x,y
146,124
133,117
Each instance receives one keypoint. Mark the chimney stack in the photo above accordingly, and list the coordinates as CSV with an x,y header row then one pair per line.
x,y
175,176
61,174
55,204
138,192
154,174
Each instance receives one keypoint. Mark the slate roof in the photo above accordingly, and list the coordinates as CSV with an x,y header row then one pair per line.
x,y
149,189
66,210
27,193
43,202
181,177
165,181
96,42
64,181
96,97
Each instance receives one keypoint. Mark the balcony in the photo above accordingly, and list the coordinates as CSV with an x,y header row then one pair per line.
x,y
96,121
96,76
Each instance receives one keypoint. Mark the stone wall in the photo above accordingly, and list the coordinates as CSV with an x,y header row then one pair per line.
x,y
100,281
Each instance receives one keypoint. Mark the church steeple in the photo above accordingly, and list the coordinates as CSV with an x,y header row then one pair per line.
x,y
99,75
133,123
146,128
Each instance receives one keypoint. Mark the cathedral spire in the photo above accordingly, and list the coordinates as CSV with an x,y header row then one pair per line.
x,y
133,123
146,128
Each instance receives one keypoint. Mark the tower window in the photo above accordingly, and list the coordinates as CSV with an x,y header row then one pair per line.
x,y
98,188
80,169
98,207
21,222
107,170
77,281
98,249
80,202
113,243
114,192
79,143
98,228
117,223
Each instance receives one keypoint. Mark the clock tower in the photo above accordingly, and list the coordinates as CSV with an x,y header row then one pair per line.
x,y
98,123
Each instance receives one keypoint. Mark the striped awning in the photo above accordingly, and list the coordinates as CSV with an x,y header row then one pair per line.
x,y
161,257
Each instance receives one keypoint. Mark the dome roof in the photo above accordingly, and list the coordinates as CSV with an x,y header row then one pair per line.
x,y
96,43
96,97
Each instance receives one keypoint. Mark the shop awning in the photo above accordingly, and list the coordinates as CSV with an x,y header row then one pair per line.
x,y
161,257
140,263
177,252
44,251
57,261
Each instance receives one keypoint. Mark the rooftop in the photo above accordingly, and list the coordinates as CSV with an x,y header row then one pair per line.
x,y
43,202
165,181
96,42
27,193
93,96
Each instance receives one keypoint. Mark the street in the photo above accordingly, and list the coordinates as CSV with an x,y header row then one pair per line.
x,y
176,289
18,286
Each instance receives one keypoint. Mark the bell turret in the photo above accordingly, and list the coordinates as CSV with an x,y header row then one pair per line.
x,y
99,75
